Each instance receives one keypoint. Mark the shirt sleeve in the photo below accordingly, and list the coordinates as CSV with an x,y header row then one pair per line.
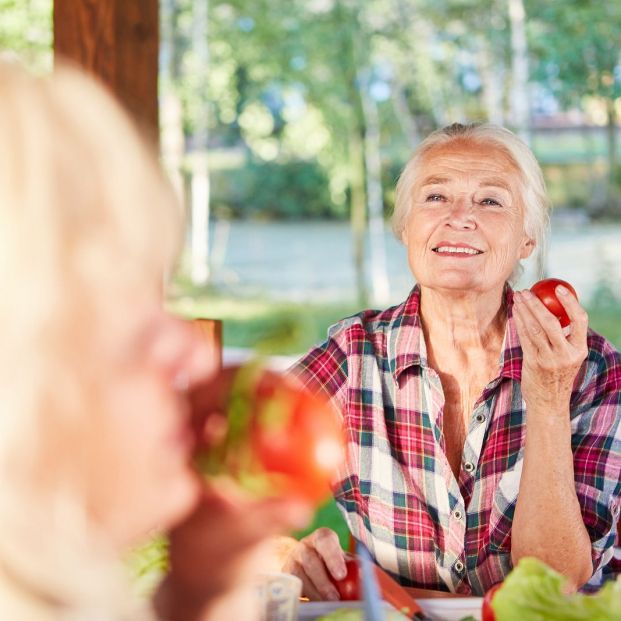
x,y
323,369
596,445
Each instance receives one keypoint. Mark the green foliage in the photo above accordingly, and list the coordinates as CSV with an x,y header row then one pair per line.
x,y
289,189
575,45
267,326
329,516
26,31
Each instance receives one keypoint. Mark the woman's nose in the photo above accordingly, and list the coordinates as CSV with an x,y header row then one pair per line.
x,y
461,214
181,347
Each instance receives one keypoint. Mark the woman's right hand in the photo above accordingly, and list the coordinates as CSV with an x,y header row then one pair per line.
x,y
314,559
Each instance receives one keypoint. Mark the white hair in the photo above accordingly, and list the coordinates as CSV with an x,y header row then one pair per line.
x,y
534,195
86,218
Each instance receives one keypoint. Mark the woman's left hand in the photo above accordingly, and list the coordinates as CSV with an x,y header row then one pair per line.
x,y
551,360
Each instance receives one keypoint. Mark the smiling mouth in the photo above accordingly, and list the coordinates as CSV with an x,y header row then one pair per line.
x,y
456,251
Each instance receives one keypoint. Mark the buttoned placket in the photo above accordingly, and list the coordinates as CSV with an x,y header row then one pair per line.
x,y
455,515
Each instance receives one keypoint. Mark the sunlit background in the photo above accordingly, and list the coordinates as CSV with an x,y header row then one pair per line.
x,y
284,125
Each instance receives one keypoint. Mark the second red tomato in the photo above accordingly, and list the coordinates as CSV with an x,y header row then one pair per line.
x,y
487,612
349,586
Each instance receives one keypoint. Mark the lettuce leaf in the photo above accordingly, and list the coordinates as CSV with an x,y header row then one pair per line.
x,y
534,592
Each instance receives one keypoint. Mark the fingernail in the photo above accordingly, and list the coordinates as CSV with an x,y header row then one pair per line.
x,y
562,290
340,573
517,298
526,294
333,596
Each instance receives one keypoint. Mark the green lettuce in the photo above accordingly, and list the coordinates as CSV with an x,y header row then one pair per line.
x,y
534,592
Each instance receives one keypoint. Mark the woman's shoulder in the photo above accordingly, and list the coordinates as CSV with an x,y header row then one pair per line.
x,y
371,322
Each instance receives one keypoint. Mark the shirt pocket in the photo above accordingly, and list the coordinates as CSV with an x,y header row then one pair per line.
x,y
503,508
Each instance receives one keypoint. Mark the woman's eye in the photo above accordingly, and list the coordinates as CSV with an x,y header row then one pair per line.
x,y
490,201
434,198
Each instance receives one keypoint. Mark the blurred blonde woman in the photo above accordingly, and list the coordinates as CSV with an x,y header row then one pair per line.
x,y
94,437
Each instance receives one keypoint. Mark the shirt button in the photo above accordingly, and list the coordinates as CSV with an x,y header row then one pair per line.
x,y
480,418
459,567
469,466
457,514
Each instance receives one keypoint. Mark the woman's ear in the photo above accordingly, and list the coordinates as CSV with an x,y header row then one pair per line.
x,y
526,248
404,236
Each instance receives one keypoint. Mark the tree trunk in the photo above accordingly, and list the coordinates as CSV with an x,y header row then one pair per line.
x,y
349,31
358,215
519,70
200,168
406,120
492,79
172,139
611,142
375,202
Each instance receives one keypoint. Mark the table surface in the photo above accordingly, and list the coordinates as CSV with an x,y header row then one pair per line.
x,y
429,594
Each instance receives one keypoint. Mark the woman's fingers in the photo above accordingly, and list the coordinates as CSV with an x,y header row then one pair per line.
x,y
328,546
544,331
577,315
317,573
540,322
308,588
532,336
314,559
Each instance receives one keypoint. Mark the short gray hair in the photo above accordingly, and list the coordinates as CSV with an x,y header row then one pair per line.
x,y
534,194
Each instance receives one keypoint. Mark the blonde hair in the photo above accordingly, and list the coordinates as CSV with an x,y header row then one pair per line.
x,y
86,219
534,195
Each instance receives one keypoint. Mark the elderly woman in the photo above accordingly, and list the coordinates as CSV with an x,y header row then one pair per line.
x,y
95,376
478,432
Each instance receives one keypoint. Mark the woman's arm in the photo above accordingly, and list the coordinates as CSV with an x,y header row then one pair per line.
x,y
548,522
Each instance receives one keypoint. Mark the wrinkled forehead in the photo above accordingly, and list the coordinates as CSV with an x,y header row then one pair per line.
x,y
466,155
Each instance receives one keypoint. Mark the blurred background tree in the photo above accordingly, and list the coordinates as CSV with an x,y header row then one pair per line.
x,y
298,110
26,32
295,90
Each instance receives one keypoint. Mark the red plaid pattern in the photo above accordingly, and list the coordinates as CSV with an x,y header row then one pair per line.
x,y
398,492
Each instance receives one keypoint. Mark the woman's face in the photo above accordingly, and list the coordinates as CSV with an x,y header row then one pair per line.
x,y
137,473
465,230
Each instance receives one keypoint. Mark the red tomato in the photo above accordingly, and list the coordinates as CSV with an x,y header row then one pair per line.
x,y
280,439
545,290
487,610
349,586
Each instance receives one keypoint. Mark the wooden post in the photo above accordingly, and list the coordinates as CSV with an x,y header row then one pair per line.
x,y
117,41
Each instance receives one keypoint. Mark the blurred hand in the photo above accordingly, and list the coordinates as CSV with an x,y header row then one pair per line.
x,y
313,559
551,359
211,551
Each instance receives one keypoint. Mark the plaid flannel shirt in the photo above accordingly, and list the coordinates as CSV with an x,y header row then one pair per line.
x,y
397,491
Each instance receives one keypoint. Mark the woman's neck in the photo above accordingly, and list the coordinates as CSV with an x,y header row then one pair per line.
x,y
461,320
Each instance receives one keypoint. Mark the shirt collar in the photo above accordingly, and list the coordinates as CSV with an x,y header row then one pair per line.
x,y
406,342
510,361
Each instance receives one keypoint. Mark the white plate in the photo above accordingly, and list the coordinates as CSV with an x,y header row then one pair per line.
x,y
452,608
439,609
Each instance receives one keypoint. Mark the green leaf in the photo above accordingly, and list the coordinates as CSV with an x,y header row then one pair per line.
x,y
533,591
